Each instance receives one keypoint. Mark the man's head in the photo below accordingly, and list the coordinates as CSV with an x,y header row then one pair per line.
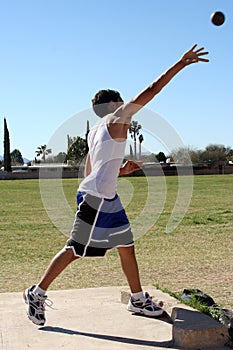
x,y
106,101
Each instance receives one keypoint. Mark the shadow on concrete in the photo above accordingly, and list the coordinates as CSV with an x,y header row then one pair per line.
x,y
162,344
164,317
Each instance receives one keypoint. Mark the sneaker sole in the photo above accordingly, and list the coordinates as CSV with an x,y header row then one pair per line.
x,y
145,312
25,297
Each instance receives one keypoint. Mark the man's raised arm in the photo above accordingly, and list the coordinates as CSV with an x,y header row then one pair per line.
x,y
127,110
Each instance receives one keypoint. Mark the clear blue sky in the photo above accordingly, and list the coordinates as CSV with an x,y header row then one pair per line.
x,y
55,54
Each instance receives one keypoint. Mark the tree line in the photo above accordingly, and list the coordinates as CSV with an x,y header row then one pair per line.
x,y
77,148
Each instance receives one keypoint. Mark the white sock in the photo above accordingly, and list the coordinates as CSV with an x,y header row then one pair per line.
x,y
139,295
38,290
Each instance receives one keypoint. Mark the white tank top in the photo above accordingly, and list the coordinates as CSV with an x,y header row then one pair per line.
x,y
106,155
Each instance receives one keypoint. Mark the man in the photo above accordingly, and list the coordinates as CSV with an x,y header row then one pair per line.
x,y
101,223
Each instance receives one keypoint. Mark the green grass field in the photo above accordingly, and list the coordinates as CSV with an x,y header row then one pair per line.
x,y
197,254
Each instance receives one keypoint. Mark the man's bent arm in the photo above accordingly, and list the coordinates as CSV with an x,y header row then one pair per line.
x,y
87,169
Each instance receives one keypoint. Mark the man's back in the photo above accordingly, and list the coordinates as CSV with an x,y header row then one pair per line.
x,y
106,155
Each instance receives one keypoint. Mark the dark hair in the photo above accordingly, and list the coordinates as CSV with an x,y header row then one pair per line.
x,y
101,100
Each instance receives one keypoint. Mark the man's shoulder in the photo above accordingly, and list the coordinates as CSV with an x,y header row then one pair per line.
x,y
102,121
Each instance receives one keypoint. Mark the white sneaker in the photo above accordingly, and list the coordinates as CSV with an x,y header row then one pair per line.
x,y
147,307
36,308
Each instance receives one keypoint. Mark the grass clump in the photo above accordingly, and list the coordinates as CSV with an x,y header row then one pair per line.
x,y
200,301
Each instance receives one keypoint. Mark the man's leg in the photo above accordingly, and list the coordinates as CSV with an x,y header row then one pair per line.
x,y
35,297
56,266
130,268
139,301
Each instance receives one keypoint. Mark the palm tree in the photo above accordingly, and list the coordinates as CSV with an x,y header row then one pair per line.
x,y
134,131
42,150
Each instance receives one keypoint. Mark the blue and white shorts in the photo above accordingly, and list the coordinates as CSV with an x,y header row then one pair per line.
x,y
100,224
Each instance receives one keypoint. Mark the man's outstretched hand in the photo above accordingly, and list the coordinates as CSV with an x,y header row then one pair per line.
x,y
130,166
194,55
